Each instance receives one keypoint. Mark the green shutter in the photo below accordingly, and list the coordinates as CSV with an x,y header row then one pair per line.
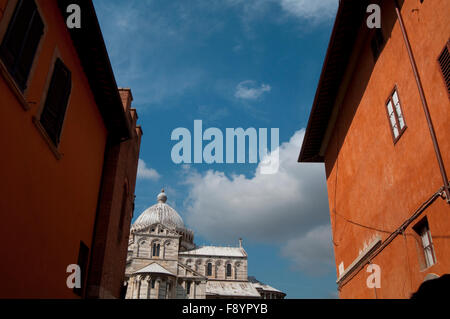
x,y
21,41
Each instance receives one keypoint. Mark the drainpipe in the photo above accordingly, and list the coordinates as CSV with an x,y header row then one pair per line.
x,y
424,103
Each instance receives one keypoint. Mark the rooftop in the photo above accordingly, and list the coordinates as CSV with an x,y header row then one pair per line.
x,y
216,251
155,269
91,49
259,285
231,289
159,213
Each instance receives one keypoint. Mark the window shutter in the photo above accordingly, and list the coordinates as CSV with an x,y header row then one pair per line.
x,y
25,60
21,41
52,116
444,63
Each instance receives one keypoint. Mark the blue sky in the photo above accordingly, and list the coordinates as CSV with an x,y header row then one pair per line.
x,y
232,63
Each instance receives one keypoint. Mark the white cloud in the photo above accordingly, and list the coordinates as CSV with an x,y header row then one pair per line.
x,y
316,10
145,172
289,208
249,90
309,10
311,251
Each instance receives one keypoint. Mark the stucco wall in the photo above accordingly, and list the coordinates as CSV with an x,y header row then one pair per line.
x,y
48,205
376,183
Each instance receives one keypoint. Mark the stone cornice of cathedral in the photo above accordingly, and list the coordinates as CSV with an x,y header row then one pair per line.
x,y
159,236
141,229
155,259
191,270
195,279
185,254
228,280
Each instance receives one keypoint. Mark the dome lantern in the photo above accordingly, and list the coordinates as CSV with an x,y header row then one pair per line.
x,y
162,197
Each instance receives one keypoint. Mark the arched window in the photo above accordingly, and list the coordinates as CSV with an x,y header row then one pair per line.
x,y
156,248
209,269
228,270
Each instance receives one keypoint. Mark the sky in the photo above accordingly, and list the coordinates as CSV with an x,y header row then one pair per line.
x,y
232,64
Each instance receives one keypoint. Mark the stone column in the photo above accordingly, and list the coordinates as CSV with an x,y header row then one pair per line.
x,y
149,286
194,289
157,283
129,294
168,288
174,288
143,289
137,289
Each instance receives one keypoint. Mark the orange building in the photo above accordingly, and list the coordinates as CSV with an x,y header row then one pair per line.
x,y
380,123
69,153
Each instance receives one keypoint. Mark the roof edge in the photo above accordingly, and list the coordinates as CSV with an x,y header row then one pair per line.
x,y
91,50
345,32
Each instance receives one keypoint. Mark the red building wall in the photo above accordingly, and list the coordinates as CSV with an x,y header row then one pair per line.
x,y
374,185
115,212
49,198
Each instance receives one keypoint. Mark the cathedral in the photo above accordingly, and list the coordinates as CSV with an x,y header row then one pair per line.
x,y
163,262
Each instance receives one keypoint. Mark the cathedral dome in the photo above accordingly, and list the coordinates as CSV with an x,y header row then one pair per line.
x,y
159,213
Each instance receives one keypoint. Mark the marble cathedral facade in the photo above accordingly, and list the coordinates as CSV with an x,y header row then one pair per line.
x,y
164,263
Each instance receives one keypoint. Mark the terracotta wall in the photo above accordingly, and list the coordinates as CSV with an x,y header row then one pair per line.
x,y
376,183
107,272
48,205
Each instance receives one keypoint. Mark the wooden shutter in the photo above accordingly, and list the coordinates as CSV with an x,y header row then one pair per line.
x,y
21,41
444,63
55,106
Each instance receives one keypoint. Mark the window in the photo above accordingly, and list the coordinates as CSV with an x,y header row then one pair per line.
x,y
21,40
152,284
377,43
395,115
55,106
444,64
423,231
83,255
156,248
228,270
209,270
